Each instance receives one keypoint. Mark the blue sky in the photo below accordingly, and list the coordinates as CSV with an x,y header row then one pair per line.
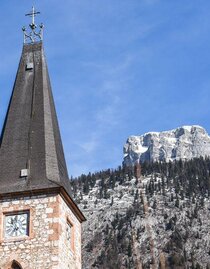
x,y
117,68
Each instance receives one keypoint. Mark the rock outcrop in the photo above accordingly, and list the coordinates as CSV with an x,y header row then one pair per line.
x,y
185,143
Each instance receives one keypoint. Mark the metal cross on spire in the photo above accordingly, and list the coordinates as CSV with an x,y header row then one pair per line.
x,y
33,36
32,15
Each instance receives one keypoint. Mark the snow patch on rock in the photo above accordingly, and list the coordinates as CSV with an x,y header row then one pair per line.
x,y
185,142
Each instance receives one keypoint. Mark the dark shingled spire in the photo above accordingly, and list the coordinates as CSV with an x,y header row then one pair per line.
x,y
30,137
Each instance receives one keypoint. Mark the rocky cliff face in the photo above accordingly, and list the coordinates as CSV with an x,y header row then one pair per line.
x,y
185,142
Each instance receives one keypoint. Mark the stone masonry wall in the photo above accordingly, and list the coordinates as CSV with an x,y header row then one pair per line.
x,y
70,252
46,247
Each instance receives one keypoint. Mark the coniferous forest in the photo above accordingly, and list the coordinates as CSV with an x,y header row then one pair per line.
x,y
157,217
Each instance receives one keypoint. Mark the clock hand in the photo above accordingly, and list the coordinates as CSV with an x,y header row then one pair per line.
x,y
13,230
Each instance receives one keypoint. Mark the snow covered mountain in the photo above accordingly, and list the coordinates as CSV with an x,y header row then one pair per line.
x,y
155,217
185,142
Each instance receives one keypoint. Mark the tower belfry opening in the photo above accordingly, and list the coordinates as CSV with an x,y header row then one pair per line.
x,y
36,204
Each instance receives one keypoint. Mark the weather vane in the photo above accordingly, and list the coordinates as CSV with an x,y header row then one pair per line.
x,y
33,35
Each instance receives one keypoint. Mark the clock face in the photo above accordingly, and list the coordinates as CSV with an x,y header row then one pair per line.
x,y
16,225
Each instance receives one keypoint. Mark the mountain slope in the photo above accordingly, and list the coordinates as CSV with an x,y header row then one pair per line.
x,y
159,220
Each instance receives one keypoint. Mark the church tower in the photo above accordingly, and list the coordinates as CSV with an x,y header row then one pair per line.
x,y
40,224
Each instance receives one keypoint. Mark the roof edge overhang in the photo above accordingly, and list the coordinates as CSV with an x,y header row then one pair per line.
x,y
57,190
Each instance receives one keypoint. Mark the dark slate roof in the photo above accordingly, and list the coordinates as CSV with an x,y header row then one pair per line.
x,y
30,137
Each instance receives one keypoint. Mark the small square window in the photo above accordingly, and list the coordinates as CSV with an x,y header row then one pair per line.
x,y
29,66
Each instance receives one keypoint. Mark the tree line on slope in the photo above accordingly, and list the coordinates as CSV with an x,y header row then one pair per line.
x,y
189,178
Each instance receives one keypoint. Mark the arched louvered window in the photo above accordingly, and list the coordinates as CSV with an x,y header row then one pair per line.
x,y
16,265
